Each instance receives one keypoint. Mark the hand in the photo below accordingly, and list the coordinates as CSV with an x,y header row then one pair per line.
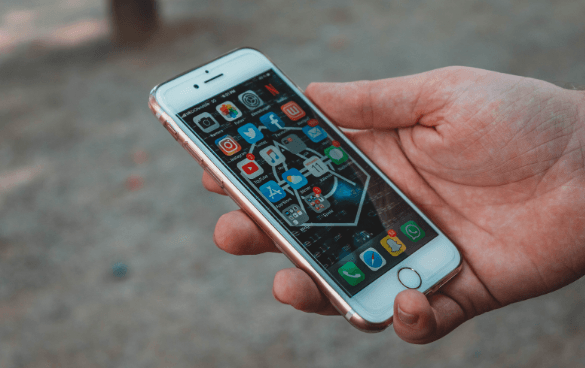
x,y
496,161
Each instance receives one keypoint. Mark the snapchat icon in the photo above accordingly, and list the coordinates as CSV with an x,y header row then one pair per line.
x,y
392,244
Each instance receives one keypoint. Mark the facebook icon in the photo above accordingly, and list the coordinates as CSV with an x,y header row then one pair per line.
x,y
272,121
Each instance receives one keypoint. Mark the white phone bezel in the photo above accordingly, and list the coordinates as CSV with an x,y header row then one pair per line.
x,y
375,302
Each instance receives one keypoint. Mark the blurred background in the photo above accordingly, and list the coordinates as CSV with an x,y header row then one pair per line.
x,y
89,178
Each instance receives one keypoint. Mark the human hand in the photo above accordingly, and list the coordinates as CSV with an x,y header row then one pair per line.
x,y
496,161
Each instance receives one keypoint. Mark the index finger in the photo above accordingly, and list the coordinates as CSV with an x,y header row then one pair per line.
x,y
390,103
210,184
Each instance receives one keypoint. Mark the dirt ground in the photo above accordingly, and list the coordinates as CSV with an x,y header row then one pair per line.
x,y
88,178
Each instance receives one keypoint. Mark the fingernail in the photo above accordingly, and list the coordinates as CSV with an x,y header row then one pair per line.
x,y
406,318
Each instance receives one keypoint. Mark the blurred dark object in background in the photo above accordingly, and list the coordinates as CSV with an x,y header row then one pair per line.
x,y
133,21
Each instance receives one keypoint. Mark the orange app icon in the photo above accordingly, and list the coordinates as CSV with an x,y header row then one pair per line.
x,y
228,145
292,110
392,244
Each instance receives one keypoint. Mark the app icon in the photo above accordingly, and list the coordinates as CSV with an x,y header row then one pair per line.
x,y
229,111
351,273
206,122
292,110
315,166
271,89
250,100
272,155
250,168
272,191
272,122
372,259
317,202
250,133
294,178
316,133
393,245
295,215
412,231
228,145
336,154
293,143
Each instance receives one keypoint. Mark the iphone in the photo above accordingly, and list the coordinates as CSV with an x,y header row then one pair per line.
x,y
325,205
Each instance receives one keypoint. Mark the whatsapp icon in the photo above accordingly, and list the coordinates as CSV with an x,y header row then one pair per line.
x,y
412,231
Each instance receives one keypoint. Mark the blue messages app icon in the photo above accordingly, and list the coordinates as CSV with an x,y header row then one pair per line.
x,y
316,133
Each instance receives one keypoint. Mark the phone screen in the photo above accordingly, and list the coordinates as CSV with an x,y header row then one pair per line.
x,y
347,217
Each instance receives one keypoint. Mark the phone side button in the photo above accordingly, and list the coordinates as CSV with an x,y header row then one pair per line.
x,y
192,152
217,180
170,129
349,314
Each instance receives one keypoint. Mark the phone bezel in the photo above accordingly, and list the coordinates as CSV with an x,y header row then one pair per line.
x,y
240,65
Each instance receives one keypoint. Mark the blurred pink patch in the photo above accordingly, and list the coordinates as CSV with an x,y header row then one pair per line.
x,y
7,42
134,183
20,26
77,33
15,178
19,17
139,157
16,26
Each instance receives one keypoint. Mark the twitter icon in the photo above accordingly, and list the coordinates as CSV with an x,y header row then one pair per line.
x,y
250,133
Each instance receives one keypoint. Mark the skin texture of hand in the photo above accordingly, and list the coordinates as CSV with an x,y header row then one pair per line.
x,y
496,161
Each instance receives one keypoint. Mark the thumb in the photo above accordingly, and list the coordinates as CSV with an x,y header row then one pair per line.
x,y
420,320
383,104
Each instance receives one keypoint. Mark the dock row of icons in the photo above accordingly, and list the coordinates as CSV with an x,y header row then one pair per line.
x,y
374,260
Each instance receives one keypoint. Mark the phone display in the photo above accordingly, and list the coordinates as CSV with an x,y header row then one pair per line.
x,y
347,217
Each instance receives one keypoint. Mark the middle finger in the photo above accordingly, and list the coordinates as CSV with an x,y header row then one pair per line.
x,y
236,233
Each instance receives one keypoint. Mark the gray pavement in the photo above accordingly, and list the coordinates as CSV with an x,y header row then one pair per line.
x,y
89,178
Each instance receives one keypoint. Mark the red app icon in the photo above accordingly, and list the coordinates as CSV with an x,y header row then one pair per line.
x,y
271,89
250,168
292,110
228,145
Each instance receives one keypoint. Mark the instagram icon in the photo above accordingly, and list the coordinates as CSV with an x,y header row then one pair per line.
x,y
228,145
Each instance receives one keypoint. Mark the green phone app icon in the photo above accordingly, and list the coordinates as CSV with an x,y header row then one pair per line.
x,y
351,273
412,231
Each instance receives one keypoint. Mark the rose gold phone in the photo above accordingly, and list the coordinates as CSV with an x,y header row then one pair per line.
x,y
325,205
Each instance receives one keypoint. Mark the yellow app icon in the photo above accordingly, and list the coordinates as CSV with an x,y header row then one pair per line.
x,y
393,245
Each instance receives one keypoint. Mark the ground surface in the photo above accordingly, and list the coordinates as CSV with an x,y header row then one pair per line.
x,y
89,178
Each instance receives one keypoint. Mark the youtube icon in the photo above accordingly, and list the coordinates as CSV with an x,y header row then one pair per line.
x,y
250,169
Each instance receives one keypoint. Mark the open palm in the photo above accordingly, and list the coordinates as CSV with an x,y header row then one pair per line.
x,y
496,161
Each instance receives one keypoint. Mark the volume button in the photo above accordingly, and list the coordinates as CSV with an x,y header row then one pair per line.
x,y
214,176
192,152
171,130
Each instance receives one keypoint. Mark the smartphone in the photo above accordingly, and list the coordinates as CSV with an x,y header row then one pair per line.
x,y
325,205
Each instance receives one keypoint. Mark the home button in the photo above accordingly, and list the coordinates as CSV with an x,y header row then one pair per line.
x,y
409,278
